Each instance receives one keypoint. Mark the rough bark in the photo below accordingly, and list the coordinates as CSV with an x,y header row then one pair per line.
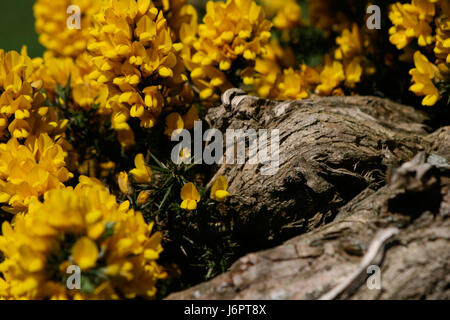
x,y
403,229
330,150
336,155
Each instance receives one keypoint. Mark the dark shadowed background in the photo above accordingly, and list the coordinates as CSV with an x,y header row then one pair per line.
x,y
17,27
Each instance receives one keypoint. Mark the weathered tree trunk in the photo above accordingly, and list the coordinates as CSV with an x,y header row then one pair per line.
x,y
330,150
336,155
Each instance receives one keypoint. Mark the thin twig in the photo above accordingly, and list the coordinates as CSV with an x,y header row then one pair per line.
x,y
376,249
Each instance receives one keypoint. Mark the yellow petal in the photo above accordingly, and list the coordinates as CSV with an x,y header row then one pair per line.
x,y
220,184
190,192
85,253
123,182
96,230
221,195
191,204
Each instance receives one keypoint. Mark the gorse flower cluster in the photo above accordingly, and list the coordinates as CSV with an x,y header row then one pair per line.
x,y
85,129
412,20
135,57
233,34
428,22
190,195
284,14
279,77
56,71
66,56
22,110
349,63
111,244
30,169
51,24
354,58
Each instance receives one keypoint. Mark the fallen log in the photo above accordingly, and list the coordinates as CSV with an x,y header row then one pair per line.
x,y
330,150
398,236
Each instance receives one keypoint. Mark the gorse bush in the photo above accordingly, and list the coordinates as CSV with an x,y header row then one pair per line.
x,y
85,150
110,243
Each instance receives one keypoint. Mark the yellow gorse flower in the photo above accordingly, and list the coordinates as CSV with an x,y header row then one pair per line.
x,y
292,85
190,117
278,77
442,48
22,109
66,56
123,182
219,189
331,76
411,20
84,226
419,19
349,66
131,45
422,77
284,14
230,30
51,24
142,173
289,16
143,197
349,43
85,253
174,123
271,81
86,92
28,170
353,72
177,12
190,196
267,74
